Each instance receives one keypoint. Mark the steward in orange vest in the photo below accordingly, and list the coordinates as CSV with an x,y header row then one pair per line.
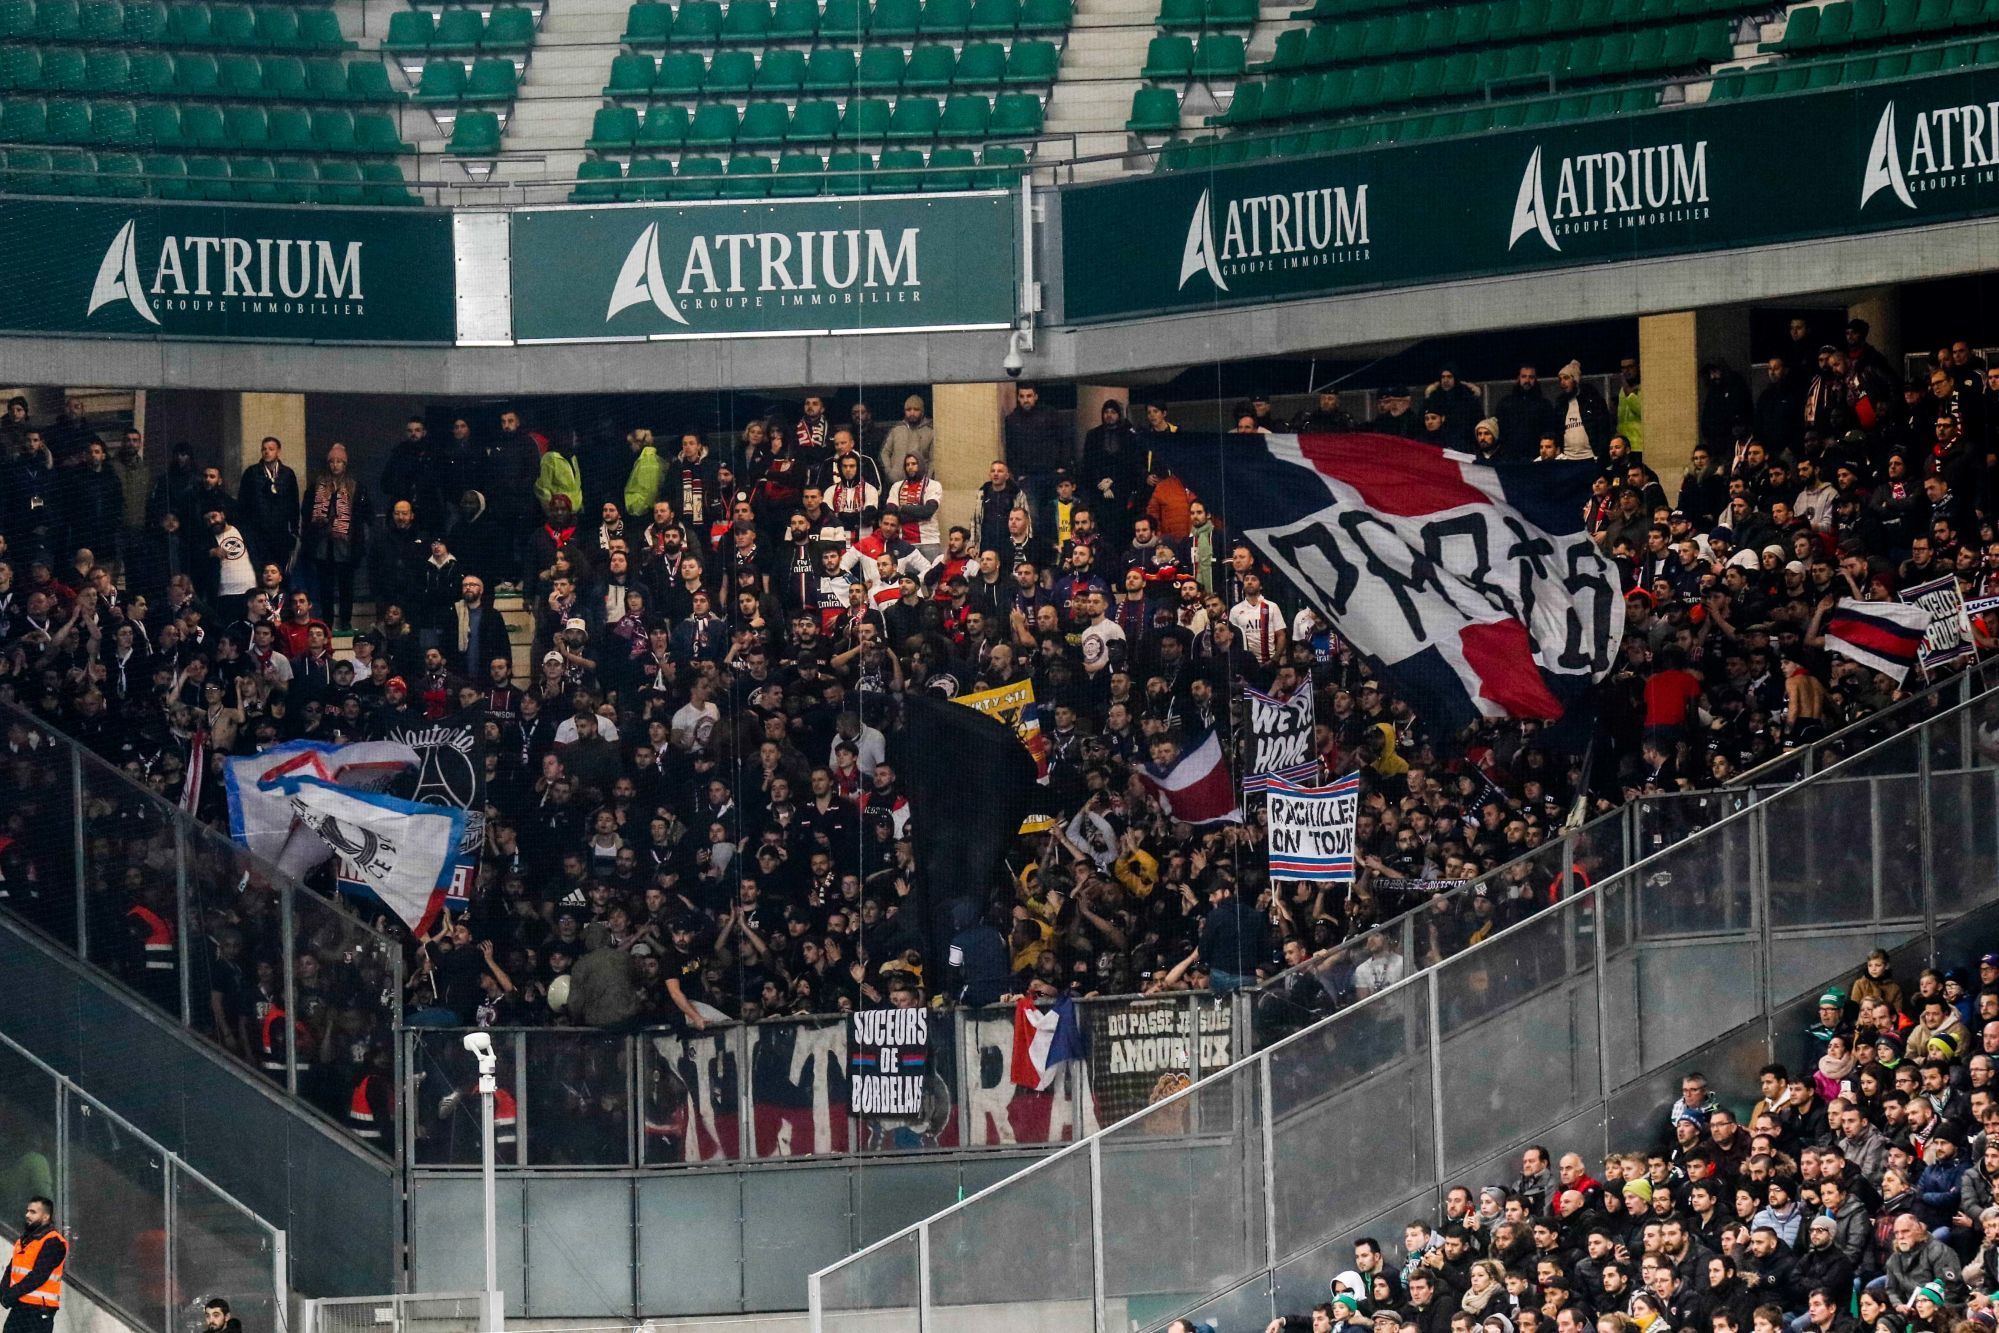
x,y
33,1290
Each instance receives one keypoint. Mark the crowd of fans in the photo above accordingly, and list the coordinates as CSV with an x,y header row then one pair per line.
x,y
695,812
1855,1191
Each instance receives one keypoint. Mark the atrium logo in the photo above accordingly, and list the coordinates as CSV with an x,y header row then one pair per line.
x,y
1637,187
1941,148
233,275
754,270
1274,233
1884,163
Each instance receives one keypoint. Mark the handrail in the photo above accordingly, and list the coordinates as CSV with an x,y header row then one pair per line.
x,y
1091,1144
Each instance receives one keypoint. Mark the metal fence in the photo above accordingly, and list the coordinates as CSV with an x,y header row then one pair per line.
x,y
1236,1199
150,1237
101,862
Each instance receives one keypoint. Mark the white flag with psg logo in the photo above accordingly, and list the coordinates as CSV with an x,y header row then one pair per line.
x,y
403,850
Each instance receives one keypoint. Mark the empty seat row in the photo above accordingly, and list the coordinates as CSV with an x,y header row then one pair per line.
x,y
1619,55
833,70
1787,77
797,174
418,31
193,24
651,24
254,180
113,123
451,83
1865,22
1175,59
25,68
1477,25
1186,15
715,125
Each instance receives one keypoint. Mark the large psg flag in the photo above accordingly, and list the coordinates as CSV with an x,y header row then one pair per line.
x,y
1474,586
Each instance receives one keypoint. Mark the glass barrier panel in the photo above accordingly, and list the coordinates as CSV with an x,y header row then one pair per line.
x,y
799,1087
691,1094
1964,800
345,975
578,1105
28,1128
443,1099
220,1250
235,950
130,884
1032,1238
876,1292
1000,1112
113,1203
1820,849
39,857
1203,1150
1700,888
940,1121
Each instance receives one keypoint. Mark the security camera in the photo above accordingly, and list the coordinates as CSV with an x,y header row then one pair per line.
x,y
1012,364
1018,341
479,1044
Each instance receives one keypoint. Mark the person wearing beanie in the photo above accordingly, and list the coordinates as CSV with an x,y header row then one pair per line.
x,y
1820,1262
1485,439
914,434
335,522
1587,423
1347,1315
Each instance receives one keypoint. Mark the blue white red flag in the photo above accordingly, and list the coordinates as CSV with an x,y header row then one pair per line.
x,y
1312,829
1195,788
1044,1040
1474,586
1882,636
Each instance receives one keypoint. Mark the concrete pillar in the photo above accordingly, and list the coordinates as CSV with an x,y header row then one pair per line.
x,y
1882,309
248,417
967,418
1090,400
1671,350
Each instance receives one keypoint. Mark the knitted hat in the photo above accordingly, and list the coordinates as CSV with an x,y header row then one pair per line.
x,y
1574,370
1352,1305
1642,1188
1929,1291
1491,424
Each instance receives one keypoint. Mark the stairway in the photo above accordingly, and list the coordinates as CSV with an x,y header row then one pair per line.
x,y
1100,68
563,88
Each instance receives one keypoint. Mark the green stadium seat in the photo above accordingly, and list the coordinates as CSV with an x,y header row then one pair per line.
x,y
1290,52
72,172
69,120
981,65
1220,56
1046,15
1867,21
899,171
57,20
297,178
865,120
20,68
966,116
1966,14
1277,96
333,129
201,126
794,20
780,72
714,126
1177,15
339,182
1169,59
664,128
475,133
291,129
950,169
613,129
195,74
458,30
442,83
881,68
246,125
326,78
1926,61
731,72
1154,111
165,175
385,185
632,75
143,22
1426,82
208,178
1016,115
119,176
648,24
232,26
410,32
114,124
17,18
1831,73
149,72
764,124
253,180
797,175
277,28
896,19
188,24
28,171
597,182
100,21
946,18
1728,86
995,16
492,80
698,23
1034,61
931,68
1759,83
62,70
367,81
319,30
748,177
816,121
747,22
158,125
284,78
1958,55
681,74
698,178
1470,27
1835,21
915,118
648,180
1242,107
1801,31
1235,13
831,69
843,20
1000,162
847,172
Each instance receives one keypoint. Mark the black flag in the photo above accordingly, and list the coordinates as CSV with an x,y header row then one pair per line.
x,y
971,783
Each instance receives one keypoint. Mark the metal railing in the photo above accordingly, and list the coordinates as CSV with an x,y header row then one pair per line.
x,y
1233,1199
192,924
150,1237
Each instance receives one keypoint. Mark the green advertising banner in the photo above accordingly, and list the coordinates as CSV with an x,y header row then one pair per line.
x,y
277,274
719,270
1710,177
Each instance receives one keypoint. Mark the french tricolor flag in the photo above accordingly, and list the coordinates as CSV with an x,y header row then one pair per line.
x,y
1196,788
1881,636
1044,1040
